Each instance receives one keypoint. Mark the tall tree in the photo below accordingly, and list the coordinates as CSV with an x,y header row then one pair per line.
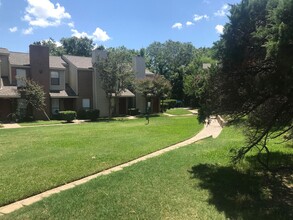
x,y
169,59
78,46
115,73
54,49
255,77
196,77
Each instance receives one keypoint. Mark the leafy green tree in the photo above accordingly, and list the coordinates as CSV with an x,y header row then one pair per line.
x,y
169,59
255,77
115,73
78,46
34,95
195,78
54,49
156,86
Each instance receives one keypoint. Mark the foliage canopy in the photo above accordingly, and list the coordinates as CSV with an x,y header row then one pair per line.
x,y
255,77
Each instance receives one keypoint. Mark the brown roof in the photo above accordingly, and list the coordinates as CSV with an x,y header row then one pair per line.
x,y
124,94
23,59
4,51
80,62
149,74
19,59
67,93
9,92
56,62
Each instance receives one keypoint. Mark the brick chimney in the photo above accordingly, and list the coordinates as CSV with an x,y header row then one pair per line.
x,y
40,73
138,67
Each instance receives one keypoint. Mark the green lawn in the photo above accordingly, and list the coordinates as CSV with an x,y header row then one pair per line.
x,y
35,123
195,182
178,111
33,160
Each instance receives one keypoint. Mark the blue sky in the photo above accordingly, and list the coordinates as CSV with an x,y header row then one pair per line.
x,y
132,23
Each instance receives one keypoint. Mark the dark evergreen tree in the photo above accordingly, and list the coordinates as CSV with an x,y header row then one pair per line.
x,y
255,75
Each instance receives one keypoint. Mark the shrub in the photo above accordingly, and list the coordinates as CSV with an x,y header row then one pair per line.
x,y
133,111
69,116
82,114
179,103
93,114
171,103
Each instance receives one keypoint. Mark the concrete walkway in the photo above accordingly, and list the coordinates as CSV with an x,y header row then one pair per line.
x,y
11,125
15,125
213,129
192,112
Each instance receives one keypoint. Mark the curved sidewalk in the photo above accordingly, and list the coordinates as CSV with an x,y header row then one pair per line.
x,y
213,129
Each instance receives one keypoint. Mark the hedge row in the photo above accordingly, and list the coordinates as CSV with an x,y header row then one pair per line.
x,y
91,114
68,116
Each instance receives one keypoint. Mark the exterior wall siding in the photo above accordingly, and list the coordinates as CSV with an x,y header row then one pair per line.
x,y
13,74
4,65
61,85
85,88
73,78
100,100
8,106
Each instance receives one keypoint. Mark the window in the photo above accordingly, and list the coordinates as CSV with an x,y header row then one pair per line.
x,y
86,103
55,106
55,78
20,77
21,108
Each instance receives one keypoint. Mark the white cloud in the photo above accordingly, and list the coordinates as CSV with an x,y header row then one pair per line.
x,y
28,31
44,13
177,25
98,35
223,11
71,24
76,33
200,17
206,2
13,29
58,43
189,23
220,29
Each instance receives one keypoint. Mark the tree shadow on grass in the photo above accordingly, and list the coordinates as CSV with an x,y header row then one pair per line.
x,y
245,195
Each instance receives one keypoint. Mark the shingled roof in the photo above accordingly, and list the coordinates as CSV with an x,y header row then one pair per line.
x,y
79,62
56,62
67,93
4,51
19,59
23,59
9,92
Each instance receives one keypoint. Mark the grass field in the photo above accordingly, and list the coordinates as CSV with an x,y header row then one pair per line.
x,y
195,182
178,111
35,123
33,160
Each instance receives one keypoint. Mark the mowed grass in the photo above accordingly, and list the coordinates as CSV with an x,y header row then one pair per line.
x,y
33,160
36,123
178,111
195,182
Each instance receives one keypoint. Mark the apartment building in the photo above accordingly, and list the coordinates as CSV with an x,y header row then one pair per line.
x,y
69,83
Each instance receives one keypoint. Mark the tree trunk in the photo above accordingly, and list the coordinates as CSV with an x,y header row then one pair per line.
x,y
45,114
